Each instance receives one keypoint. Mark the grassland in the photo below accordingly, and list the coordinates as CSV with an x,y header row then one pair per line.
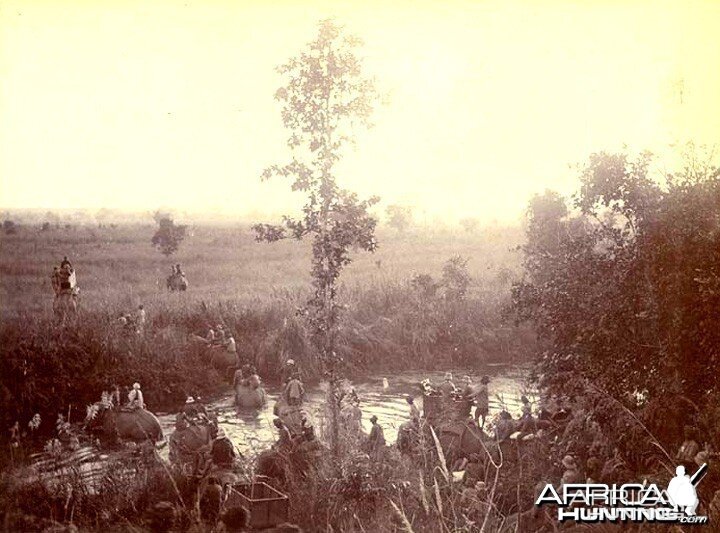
x,y
255,290
118,268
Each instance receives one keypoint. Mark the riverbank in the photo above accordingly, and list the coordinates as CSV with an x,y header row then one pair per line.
x,y
47,368
387,492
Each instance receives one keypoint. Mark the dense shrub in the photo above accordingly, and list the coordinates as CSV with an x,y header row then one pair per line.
x,y
624,289
49,368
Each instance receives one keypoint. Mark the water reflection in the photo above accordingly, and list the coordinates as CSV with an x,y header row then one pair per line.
x,y
252,430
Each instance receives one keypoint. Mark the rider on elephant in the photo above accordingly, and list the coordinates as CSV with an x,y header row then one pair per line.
x,y
115,396
239,378
210,336
447,387
230,345
140,318
220,338
135,424
135,397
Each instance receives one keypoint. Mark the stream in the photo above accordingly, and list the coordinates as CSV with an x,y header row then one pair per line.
x,y
252,430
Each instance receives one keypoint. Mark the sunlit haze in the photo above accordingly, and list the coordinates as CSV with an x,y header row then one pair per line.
x,y
141,105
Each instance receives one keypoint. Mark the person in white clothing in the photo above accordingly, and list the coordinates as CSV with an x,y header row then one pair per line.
x,y
135,397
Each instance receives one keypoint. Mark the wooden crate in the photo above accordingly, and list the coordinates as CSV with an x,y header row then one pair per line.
x,y
268,506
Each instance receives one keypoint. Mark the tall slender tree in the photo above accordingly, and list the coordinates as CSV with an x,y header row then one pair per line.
x,y
325,97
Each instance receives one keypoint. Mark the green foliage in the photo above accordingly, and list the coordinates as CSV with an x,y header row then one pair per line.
x,y
625,290
168,236
324,97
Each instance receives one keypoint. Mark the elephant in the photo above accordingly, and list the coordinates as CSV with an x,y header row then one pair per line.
x,y
65,305
272,464
177,282
191,446
248,397
464,439
408,439
292,416
127,424
221,359
275,463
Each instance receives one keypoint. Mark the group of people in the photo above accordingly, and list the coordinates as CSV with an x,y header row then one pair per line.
x,y
219,337
135,399
476,394
247,376
287,441
291,423
63,277
175,270
134,322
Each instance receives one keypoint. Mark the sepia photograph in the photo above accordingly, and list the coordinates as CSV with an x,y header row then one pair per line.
x,y
358,266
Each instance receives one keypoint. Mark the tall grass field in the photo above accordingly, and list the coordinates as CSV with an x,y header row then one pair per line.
x,y
402,310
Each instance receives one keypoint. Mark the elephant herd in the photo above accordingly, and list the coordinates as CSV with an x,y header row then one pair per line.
x,y
193,444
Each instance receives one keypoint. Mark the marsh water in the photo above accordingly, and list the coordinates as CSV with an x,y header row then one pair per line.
x,y
382,394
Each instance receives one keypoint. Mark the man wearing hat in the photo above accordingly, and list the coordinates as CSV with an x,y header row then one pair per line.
x,y
376,441
294,392
288,370
190,408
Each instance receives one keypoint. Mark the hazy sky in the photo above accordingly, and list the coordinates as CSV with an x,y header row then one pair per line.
x,y
137,105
